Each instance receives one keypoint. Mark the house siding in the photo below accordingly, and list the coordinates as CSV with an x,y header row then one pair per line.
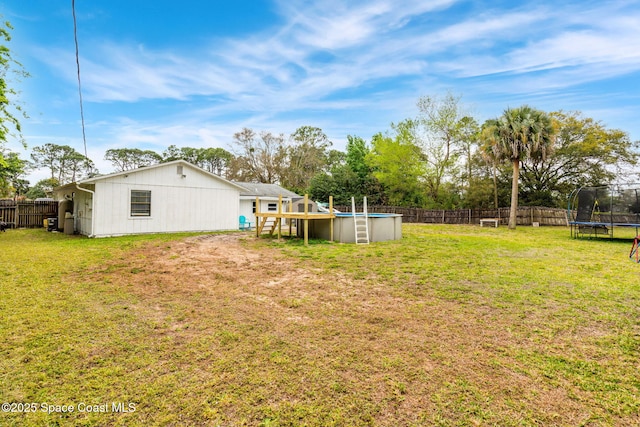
x,y
246,209
83,212
193,202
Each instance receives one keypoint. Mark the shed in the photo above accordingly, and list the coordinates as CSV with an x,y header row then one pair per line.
x,y
164,198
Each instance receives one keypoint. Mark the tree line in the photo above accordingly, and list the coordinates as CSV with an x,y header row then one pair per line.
x,y
442,158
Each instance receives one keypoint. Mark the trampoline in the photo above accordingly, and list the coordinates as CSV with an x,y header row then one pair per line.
x,y
596,211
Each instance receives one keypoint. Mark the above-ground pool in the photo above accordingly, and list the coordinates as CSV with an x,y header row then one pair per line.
x,y
382,226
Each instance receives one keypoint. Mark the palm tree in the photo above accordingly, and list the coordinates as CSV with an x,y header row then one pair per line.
x,y
516,135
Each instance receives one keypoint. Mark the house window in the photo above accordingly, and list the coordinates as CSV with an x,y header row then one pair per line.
x,y
140,203
272,207
254,207
301,207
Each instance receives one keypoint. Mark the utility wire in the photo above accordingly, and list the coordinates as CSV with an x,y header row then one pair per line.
x,y
75,37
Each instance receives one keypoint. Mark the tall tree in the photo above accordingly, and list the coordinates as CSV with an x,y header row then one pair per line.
x,y
364,182
258,158
306,155
586,153
43,188
490,158
214,160
468,132
47,156
348,176
517,135
124,159
8,66
64,162
356,157
75,165
397,162
327,183
189,154
445,129
11,166
12,170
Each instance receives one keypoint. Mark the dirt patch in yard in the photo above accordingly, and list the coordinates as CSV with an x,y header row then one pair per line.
x,y
278,339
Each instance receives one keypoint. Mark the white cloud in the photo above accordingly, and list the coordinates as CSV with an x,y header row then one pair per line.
x,y
323,53
278,67
338,25
589,46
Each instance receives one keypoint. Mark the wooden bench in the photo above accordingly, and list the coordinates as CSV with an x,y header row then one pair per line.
x,y
495,221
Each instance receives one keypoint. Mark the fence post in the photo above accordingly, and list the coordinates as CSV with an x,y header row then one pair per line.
x,y
532,208
19,216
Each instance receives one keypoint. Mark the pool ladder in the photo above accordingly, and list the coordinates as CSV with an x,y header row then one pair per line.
x,y
361,222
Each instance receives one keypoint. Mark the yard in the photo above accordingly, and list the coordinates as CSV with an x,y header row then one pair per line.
x,y
451,326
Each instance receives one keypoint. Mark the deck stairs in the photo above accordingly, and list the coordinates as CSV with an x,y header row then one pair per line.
x,y
360,222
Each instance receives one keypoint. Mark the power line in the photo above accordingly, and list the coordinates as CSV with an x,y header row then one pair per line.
x,y
75,37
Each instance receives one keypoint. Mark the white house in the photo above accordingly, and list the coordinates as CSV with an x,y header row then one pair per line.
x,y
163,198
269,194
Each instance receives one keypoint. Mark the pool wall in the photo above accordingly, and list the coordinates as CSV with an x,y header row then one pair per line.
x,y
382,227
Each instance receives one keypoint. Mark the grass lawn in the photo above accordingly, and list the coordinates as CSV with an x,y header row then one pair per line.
x,y
451,326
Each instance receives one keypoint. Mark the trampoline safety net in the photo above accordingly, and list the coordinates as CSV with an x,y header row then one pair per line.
x,y
597,210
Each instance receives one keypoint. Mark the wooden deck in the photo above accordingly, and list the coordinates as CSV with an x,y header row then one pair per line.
x,y
305,217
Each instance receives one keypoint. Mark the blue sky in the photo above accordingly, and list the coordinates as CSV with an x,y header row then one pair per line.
x,y
192,73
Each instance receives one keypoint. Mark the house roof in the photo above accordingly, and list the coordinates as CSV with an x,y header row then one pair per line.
x,y
146,168
265,190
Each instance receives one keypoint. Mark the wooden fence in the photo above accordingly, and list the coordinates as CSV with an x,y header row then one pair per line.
x,y
526,215
27,214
